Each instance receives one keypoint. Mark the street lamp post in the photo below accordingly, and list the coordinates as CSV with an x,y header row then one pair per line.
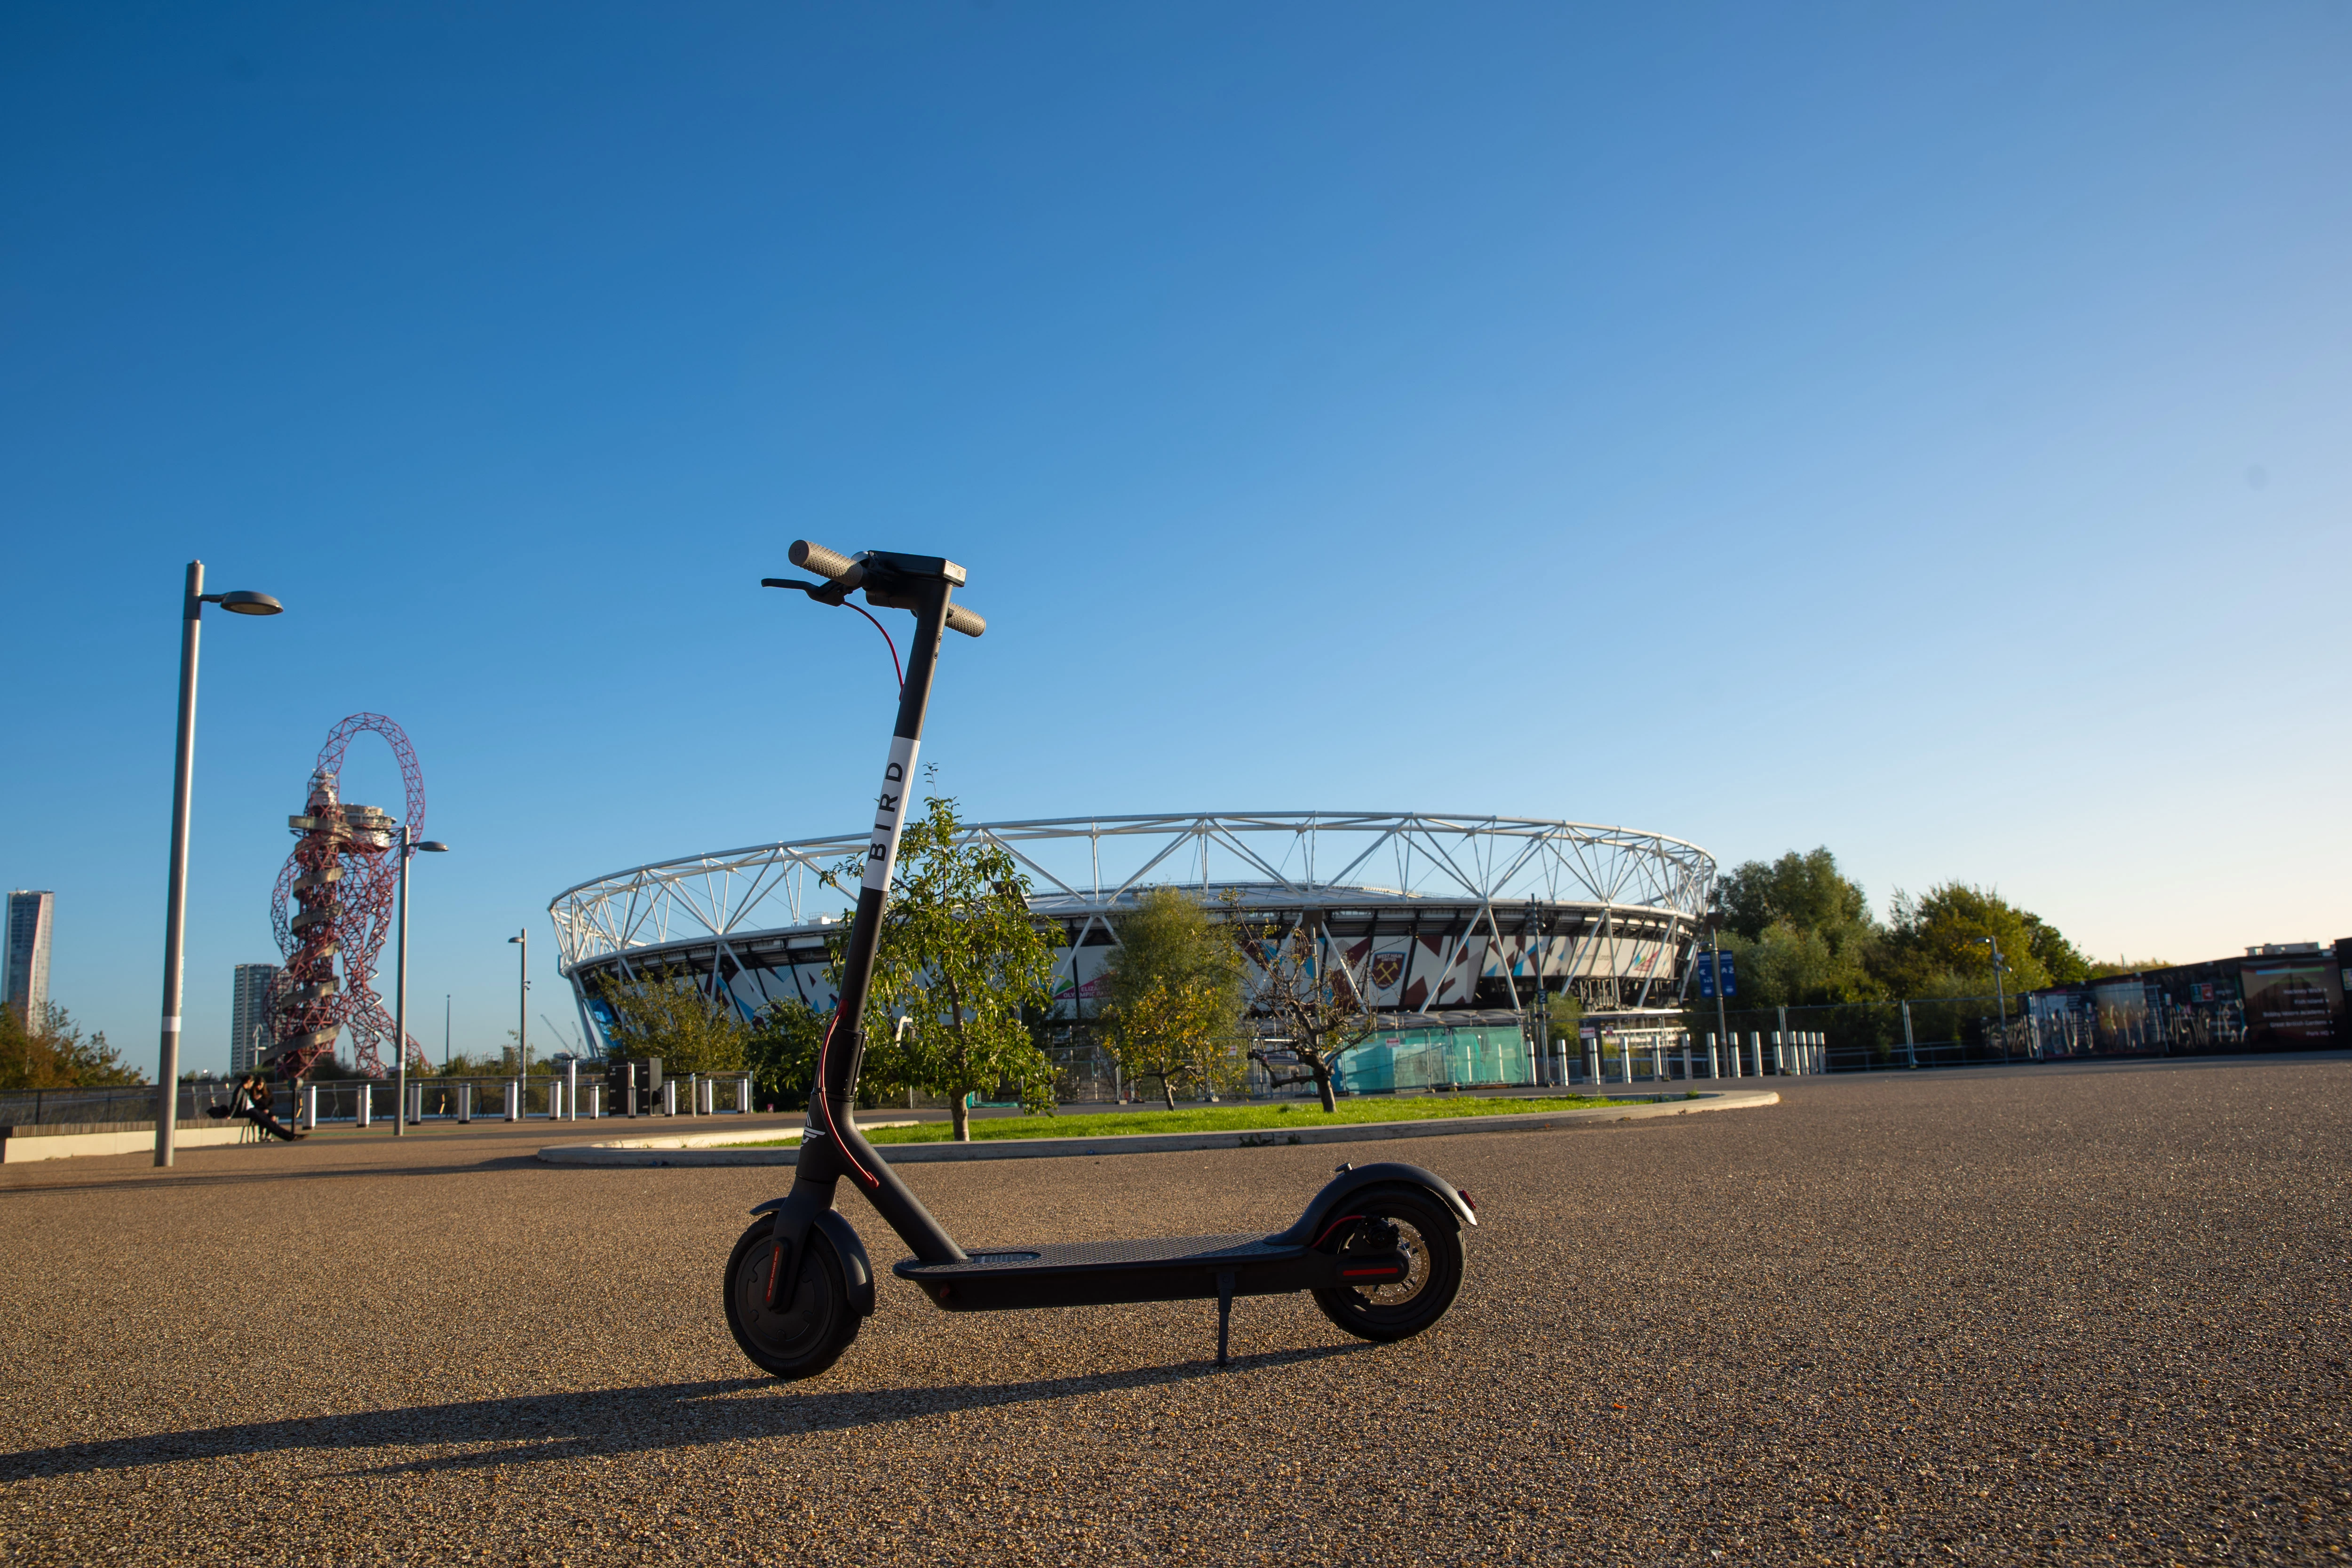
x,y
175,906
522,1019
408,848
1999,996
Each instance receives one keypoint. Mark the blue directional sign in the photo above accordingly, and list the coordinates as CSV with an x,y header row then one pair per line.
x,y
1706,974
1728,981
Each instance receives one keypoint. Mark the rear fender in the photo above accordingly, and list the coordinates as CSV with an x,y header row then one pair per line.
x,y
856,1268
1327,1204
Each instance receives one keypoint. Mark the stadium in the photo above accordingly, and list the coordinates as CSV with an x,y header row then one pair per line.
x,y
1455,926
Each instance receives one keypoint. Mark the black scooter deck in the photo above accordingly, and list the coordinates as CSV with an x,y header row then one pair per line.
x,y
1167,1269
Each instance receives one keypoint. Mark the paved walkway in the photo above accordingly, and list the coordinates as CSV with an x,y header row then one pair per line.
x,y
2081,1313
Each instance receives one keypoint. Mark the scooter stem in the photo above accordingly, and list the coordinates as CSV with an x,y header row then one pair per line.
x,y
832,1147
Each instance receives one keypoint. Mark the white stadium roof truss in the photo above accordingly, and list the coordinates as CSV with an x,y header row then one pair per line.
x,y
1380,865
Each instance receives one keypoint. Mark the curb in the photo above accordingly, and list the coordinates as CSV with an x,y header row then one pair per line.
x,y
1175,1142
714,1140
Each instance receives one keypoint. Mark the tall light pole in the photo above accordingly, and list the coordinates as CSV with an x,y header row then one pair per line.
x,y
1999,996
408,849
175,907
522,1017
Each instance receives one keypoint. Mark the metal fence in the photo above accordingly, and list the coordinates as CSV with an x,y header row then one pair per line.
x,y
90,1107
365,1101
1964,1031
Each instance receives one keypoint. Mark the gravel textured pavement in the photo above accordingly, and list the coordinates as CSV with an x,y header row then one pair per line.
x,y
2062,1313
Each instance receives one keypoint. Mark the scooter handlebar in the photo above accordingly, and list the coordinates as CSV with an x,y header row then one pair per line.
x,y
848,574
816,558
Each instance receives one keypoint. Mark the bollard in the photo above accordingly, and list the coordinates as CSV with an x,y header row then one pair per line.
x,y
415,1105
1756,1050
1592,1060
670,1097
1686,1058
571,1089
743,1095
464,1092
595,1102
1713,1063
309,1105
514,1099
363,1105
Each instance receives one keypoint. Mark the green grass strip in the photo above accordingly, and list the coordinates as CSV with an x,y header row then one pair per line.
x,y
1228,1118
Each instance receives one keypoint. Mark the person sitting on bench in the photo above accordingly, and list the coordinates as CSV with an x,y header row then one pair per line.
x,y
252,1101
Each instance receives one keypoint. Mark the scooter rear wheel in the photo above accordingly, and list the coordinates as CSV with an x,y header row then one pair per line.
x,y
1429,1238
796,1339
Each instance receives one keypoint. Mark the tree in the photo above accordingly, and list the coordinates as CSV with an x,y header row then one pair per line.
x,y
782,1052
1317,1009
1173,996
665,1014
1791,965
962,962
1567,1010
1807,891
53,1053
1801,929
1177,1031
1936,944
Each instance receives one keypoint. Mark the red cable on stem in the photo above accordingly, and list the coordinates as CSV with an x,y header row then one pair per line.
x,y
895,667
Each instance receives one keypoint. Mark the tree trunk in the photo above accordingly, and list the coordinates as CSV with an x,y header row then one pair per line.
x,y
1168,1088
1323,1086
962,1115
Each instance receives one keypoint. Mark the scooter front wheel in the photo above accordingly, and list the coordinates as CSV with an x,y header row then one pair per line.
x,y
1416,1224
793,1338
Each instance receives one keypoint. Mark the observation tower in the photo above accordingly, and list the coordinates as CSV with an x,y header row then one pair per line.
x,y
333,907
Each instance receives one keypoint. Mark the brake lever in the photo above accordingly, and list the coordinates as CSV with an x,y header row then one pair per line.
x,y
823,593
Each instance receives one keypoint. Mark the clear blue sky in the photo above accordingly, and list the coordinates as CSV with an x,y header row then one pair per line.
x,y
1916,430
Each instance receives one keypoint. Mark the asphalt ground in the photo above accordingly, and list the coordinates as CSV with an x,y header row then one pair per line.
x,y
2058,1313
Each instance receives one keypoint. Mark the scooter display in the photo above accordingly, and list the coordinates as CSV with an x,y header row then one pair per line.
x,y
1379,1248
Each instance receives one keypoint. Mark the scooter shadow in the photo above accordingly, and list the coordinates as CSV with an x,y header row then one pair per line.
x,y
552,1428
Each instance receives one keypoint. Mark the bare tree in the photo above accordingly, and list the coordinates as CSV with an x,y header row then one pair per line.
x,y
1316,1008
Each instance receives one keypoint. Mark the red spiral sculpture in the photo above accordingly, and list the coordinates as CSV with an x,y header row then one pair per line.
x,y
340,883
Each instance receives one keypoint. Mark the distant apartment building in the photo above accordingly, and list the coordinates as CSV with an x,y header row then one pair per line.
x,y
26,990
250,1017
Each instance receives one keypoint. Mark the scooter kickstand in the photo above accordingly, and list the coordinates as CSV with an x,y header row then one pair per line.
x,y
1224,1315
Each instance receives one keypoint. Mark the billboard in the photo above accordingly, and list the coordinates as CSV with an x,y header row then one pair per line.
x,y
2291,1003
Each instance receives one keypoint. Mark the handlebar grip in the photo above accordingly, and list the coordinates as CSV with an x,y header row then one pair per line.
x,y
826,562
969,623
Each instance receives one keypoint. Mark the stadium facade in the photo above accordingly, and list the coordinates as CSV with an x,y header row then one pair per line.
x,y
1452,924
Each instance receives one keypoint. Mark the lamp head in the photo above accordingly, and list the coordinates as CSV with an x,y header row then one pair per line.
x,y
247,604
434,846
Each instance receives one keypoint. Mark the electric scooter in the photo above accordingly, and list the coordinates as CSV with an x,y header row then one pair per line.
x,y
1379,1247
